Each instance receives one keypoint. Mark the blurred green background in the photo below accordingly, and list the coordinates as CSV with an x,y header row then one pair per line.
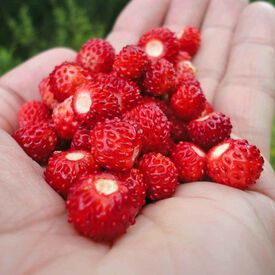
x,y
30,26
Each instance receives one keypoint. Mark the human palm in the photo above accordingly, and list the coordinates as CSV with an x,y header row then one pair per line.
x,y
205,228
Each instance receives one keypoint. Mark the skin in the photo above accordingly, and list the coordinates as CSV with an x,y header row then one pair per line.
x,y
205,228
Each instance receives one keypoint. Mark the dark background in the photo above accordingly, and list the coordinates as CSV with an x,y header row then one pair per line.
x,y
30,26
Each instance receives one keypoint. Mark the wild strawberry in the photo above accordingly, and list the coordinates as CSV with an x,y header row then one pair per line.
x,y
159,43
81,139
126,91
131,62
235,163
160,103
160,77
190,40
209,130
183,63
188,101
100,207
97,55
64,119
186,78
153,123
93,102
38,141
116,144
47,96
65,167
178,128
66,78
33,112
160,175
133,180
207,110
190,161
167,148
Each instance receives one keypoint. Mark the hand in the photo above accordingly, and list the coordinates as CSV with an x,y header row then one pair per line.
x,y
206,228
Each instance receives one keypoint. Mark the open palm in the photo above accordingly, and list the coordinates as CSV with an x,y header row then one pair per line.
x,y
205,228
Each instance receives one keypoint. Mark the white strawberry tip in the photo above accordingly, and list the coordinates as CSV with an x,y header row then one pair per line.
x,y
219,150
198,151
184,63
106,186
202,118
154,48
74,156
83,103
180,33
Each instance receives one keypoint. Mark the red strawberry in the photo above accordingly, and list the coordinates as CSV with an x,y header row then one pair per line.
x,y
93,102
209,130
130,62
190,40
160,77
116,144
47,96
187,77
133,180
33,112
190,161
160,175
235,163
160,103
97,55
38,141
182,56
159,43
81,139
66,78
65,167
207,110
178,128
188,101
126,91
100,207
64,119
167,148
153,123
183,63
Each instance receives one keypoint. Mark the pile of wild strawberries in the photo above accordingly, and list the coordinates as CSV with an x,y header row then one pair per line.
x,y
115,129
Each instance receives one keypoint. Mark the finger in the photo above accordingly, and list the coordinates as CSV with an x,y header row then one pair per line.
x,y
138,17
21,83
23,192
185,12
217,31
246,93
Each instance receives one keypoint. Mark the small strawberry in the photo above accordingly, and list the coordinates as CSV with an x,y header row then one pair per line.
x,y
190,161
100,207
97,55
93,102
190,40
81,140
178,128
64,119
116,144
209,130
153,123
188,101
65,167
38,141
126,91
130,62
207,110
183,63
159,43
160,77
47,96
133,180
160,175
235,163
66,78
33,112
150,99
